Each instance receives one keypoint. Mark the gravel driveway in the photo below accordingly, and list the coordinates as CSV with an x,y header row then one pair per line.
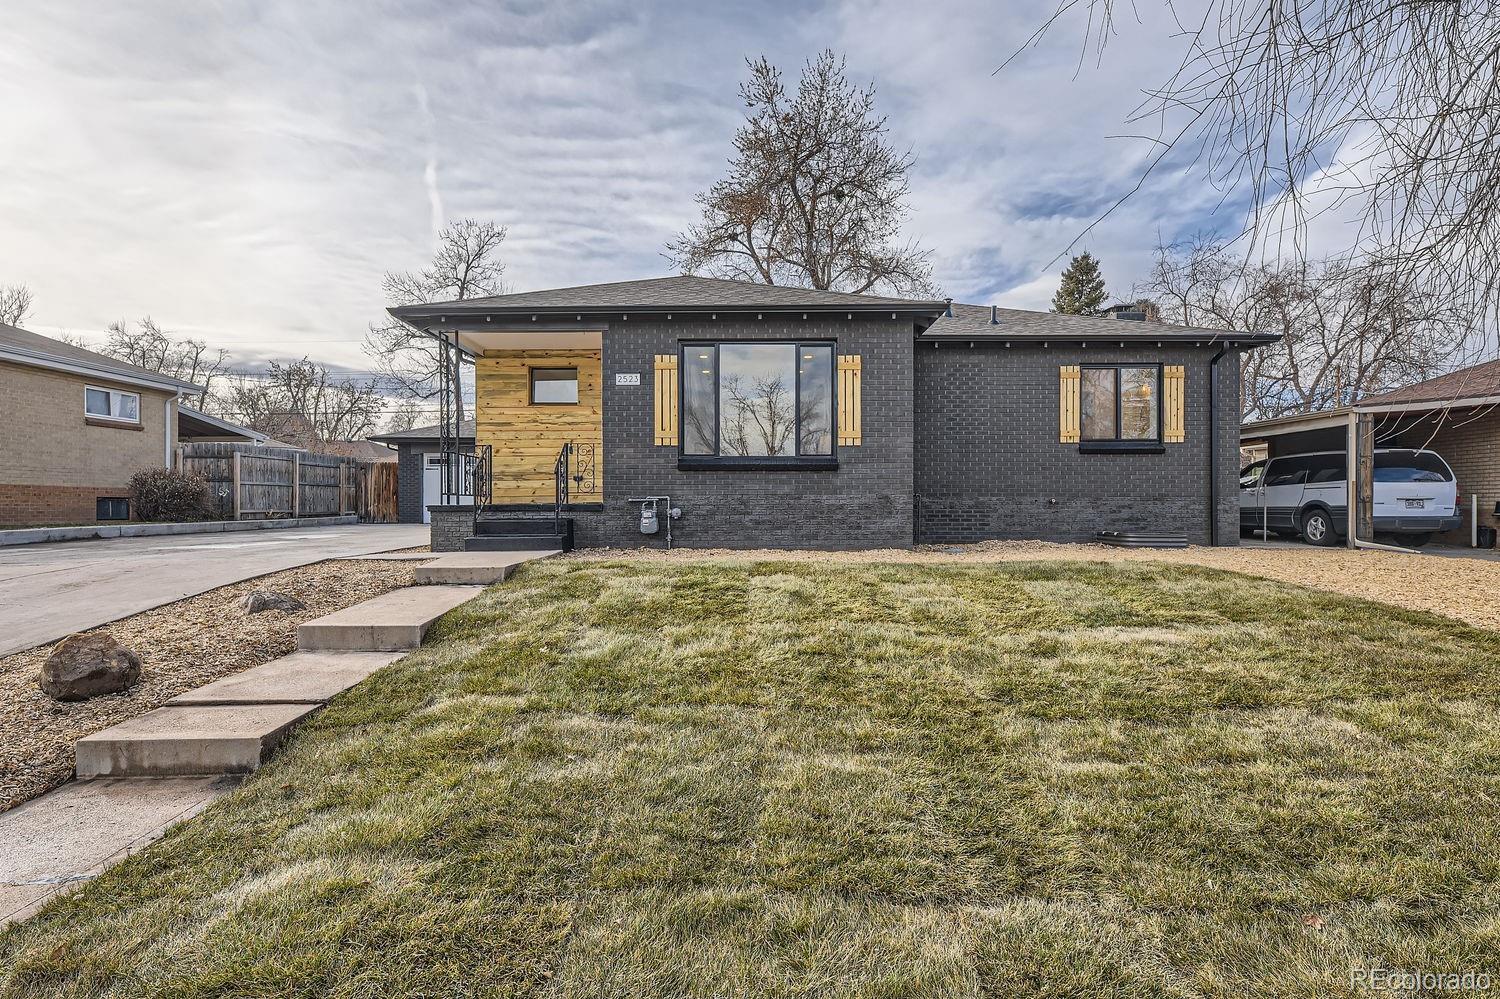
x,y
1462,588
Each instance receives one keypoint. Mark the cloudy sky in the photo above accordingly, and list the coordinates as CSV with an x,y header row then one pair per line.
x,y
245,172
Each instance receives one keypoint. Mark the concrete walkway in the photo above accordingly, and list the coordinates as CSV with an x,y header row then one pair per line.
x,y
69,836
474,568
197,740
49,591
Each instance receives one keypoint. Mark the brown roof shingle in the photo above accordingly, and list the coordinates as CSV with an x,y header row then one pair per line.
x,y
1479,381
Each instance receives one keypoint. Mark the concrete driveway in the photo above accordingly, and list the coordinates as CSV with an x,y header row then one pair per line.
x,y
48,591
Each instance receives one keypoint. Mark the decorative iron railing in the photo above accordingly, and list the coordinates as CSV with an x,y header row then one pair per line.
x,y
560,481
466,476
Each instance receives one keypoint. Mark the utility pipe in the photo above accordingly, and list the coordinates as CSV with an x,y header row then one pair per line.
x,y
1213,446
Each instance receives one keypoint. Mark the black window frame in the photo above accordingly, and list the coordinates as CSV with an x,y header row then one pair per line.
x,y
105,508
795,462
531,371
1139,445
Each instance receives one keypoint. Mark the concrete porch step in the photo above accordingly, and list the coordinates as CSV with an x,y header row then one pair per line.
x,y
186,741
391,622
300,678
516,543
479,568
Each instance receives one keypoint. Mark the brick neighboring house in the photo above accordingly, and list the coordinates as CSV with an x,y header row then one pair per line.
x,y
76,426
1458,416
790,417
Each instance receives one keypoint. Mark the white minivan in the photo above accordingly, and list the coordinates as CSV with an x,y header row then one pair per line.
x,y
1416,496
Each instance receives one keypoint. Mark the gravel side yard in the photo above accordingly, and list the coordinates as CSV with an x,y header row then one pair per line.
x,y
182,645
1459,588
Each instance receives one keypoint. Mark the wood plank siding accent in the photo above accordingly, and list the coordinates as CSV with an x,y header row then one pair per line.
x,y
1068,414
850,406
666,400
1174,397
527,438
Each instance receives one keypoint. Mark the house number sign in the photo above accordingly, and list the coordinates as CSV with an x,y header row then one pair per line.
x,y
627,377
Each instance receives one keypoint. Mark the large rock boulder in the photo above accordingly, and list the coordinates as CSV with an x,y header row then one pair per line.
x,y
263,600
84,666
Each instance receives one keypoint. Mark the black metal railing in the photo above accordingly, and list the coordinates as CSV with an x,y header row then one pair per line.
x,y
466,477
583,468
560,481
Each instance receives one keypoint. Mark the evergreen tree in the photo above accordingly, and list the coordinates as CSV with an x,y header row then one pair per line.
x,y
1082,290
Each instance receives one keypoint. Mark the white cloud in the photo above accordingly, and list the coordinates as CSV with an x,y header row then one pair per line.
x,y
245,174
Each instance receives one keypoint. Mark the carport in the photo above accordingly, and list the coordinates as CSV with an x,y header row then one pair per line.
x,y
1464,427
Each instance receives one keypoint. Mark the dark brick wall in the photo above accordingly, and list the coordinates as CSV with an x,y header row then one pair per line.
x,y
409,482
450,526
865,503
989,464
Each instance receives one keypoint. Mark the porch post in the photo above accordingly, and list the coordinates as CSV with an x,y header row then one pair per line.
x,y
1351,473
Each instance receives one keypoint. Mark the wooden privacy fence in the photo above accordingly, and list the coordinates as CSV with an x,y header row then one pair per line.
x,y
249,483
377,491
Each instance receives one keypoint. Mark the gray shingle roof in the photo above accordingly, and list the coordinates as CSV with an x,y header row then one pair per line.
x,y
684,292
34,343
973,321
422,434
689,292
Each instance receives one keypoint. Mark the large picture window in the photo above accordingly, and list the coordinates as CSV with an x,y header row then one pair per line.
x,y
757,400
1121,402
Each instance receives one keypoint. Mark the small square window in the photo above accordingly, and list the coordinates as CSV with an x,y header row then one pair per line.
x,y
554,386
111,508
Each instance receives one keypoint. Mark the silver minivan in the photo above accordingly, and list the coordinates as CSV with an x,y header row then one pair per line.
x,y
1416,496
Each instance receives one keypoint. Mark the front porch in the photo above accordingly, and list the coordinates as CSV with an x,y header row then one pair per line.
x,y
535,458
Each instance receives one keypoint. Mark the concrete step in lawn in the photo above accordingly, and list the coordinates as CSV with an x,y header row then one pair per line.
x,y
69,836
300,678
391,622
190,740
479,568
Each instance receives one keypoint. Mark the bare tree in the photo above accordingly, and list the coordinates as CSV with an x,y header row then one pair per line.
x,y
147,345
466,265
815,195
1389,107
15,304
303,403
405,416
1347,330
760,420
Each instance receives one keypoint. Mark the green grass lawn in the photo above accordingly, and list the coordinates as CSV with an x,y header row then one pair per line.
x,y
774,779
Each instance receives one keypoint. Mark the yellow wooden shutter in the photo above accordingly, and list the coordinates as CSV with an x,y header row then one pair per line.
x,y
849,404
1067,404
666,400
1174,379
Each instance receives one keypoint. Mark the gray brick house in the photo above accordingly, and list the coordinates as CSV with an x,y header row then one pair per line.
x,y
768,416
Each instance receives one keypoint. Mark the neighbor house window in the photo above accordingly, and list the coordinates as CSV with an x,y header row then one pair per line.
x,y
108,404
1121,402
757,400
111,508
554,386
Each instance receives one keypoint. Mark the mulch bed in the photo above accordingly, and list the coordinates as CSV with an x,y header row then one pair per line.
x,y
182,646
